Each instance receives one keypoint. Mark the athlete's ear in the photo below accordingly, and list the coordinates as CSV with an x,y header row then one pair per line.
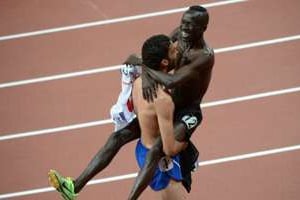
x,y
164,62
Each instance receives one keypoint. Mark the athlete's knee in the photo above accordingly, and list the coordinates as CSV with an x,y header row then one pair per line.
x,y
122,137
115,140
180,131
129,133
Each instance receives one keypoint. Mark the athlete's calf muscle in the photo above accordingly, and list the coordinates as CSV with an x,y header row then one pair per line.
x,y
105,155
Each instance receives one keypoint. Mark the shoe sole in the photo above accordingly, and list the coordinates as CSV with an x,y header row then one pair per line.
x,y
53,180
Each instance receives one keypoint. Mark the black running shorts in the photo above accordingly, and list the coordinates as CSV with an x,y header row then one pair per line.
x,y
190,116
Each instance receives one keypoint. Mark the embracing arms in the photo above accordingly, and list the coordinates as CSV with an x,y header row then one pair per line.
x,y
181,75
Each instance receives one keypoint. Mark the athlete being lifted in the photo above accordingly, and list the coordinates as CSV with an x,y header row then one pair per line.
x,y
189,83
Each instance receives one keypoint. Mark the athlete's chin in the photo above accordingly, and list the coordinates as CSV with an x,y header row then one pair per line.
x,y
186,39
185,36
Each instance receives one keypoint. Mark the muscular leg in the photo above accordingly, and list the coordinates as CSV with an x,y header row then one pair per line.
x,y
107,152
153,156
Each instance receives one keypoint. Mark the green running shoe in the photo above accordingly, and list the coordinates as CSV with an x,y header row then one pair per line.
x,y
64,186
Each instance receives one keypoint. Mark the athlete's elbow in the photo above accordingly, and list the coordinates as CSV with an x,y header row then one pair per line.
x,y
169,84
174,81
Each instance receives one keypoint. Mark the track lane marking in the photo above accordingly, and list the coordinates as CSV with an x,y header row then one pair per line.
x,y
108,121
133,175
116,67
111,21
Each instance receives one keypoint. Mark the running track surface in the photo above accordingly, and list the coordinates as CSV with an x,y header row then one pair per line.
x,y
250,126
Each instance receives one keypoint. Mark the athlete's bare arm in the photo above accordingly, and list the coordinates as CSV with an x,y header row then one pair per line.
x,y
164,107
183,74
133,59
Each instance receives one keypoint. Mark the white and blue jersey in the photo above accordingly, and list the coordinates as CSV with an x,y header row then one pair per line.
x,y
122,112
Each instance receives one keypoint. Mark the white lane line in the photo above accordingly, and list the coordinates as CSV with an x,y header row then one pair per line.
x,y
107,121
250,97
116,67
55,130
257,44
59,76
111,21
133,175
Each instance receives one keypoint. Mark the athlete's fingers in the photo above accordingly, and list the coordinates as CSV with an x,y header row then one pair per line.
x,y
150,95
145,94
146,84
156,86
153,93
153,88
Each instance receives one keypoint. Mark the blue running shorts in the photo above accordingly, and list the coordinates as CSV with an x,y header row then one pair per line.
x,y
167,169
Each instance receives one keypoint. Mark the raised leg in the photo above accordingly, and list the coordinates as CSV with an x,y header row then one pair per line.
x,y
105,155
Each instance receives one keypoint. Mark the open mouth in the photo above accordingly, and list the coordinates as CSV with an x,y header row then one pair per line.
x,y
185,34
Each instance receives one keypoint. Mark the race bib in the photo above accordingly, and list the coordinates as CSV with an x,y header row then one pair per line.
x,y
190,121
165,164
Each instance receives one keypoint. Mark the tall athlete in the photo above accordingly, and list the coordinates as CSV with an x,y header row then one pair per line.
x,y
189,82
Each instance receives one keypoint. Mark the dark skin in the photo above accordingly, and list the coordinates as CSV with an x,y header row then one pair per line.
x,y
193,73
105,155
191,50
